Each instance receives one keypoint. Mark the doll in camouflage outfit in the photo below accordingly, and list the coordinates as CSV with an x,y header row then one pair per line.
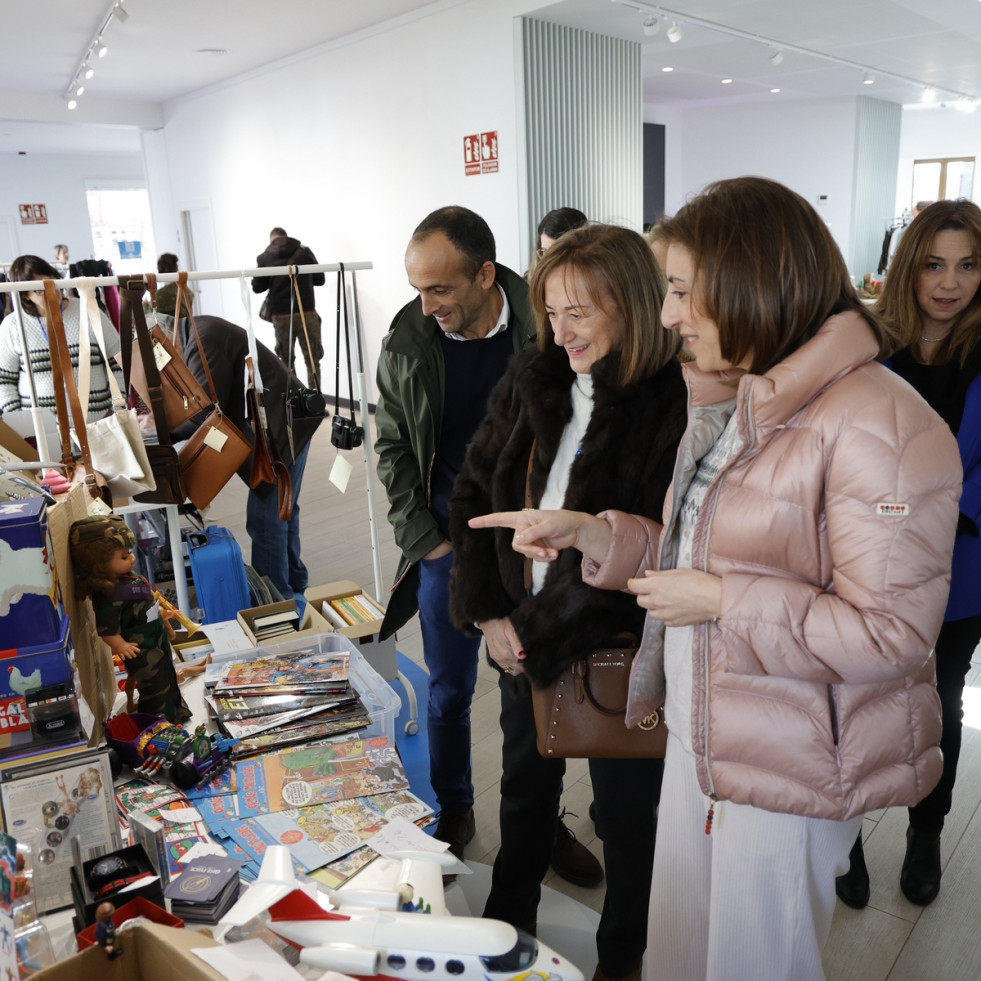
x,y
127,616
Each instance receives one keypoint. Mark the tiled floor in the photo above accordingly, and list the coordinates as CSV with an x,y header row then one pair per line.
x,y
890,940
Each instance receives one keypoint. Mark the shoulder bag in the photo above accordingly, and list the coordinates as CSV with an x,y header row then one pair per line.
x,y
210,458
582,713
115,441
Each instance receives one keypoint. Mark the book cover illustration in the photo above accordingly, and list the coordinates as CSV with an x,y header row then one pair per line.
x,y
297,732
246,727
336,769
220,785
236,708
295,673
204,880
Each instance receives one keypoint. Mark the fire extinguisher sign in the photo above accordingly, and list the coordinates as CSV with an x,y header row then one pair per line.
x,y
480,153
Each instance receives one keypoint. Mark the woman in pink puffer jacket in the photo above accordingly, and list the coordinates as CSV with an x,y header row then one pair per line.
x,y
801,576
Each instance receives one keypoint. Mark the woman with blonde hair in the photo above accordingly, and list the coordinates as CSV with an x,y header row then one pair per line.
x,y
794,591
931,306
590,419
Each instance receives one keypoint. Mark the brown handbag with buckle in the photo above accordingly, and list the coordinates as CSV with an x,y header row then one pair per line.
x,y
582,713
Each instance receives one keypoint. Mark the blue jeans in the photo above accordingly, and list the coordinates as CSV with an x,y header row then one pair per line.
x,y
275,543
451,658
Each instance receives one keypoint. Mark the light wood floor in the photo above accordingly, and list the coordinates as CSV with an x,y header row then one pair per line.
x,y
891,939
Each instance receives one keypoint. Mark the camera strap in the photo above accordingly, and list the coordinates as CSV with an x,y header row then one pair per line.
x,y
314,370
342,304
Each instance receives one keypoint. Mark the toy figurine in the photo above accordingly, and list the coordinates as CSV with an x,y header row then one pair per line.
x,y
105,930
127,616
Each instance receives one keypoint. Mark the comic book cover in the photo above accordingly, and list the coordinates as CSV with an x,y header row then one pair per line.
x,y
295,673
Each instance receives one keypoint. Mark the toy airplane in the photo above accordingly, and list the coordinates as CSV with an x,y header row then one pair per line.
x,y
369,936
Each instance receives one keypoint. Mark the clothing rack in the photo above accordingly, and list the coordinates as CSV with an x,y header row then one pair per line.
x,y
300,270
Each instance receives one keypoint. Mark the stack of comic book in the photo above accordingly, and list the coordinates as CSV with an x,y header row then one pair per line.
x,y
294,698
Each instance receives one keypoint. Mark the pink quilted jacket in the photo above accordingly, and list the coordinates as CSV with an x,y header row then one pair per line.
x,y
832,530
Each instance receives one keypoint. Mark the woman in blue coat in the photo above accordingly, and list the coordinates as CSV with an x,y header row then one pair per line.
x,y
931,305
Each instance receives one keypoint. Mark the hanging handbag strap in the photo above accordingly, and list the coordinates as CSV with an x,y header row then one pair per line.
x,y
212,390
90,317
303,320
529,504
342,305
267,462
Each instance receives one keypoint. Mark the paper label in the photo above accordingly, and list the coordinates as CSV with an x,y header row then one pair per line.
x,y
216,439
340,473
98,508
161,355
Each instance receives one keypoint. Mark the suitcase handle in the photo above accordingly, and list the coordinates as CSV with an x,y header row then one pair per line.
x,y
197,539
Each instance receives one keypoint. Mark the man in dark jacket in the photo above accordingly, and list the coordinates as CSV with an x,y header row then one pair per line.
x,y
275,543
444,354
285,251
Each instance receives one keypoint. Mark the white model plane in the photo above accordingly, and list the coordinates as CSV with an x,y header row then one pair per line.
x,y
369,935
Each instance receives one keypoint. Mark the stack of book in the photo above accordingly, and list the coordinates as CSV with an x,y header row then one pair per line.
x,y
346,611
269,626
206,890
299,697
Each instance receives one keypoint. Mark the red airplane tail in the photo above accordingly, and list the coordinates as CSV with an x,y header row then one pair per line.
x,y
299,906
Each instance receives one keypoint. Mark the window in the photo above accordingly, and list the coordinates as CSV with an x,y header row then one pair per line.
x,y
942,178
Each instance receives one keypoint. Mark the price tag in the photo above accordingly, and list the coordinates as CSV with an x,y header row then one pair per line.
x,y
340,473
98,508
161,355
216,439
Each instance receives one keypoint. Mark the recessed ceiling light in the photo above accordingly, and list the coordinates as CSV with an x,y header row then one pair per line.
x,y
217,52
929,95
774,91
728,81
667,68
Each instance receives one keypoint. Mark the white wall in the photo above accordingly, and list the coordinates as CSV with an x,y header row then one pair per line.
x,y
807,145
58,181
349,149
929,133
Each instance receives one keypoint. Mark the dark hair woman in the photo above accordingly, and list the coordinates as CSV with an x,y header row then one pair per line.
x,y
598,411
794,594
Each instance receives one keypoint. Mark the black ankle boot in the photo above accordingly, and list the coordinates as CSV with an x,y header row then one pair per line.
x,y
920,878
853,887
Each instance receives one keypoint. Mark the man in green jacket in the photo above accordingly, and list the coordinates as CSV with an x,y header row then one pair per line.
x,y
445,352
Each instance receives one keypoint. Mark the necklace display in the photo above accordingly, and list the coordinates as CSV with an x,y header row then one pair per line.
x,y
932,340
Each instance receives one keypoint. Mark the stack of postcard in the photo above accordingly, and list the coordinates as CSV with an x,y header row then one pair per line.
x,y
206,890
281,701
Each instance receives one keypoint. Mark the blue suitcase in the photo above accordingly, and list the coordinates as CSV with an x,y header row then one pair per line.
x,y
218,570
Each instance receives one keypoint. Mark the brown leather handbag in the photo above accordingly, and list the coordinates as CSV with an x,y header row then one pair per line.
x,y
581,714
183,395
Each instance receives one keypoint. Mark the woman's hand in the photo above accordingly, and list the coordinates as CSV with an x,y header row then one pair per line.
x,y
541,535
503,645
679,597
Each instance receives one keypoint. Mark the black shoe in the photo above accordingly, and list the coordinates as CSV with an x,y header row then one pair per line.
x,y
572,860
853,887
920,878
592,811
457,829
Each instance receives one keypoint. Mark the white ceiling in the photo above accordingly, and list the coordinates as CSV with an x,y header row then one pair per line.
x,y
156,54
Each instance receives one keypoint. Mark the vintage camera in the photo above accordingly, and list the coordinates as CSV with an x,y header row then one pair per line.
x,y
307,403
345,434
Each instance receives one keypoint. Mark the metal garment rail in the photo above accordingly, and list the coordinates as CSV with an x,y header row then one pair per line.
x,y
328,267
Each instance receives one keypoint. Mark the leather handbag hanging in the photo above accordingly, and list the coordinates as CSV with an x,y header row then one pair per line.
x,y
582,713
164,462
210,458
66,399
184,397
268,465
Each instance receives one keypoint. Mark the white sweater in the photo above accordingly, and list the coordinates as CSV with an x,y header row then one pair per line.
x,y
15,392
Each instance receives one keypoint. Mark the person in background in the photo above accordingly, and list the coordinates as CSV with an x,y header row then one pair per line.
x,y
931,307
15,392
283,304
596,413
555,223
275,543
795,592
167,294
62,257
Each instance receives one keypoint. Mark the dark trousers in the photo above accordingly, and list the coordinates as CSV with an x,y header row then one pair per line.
x,y
955,645
626,793
287,353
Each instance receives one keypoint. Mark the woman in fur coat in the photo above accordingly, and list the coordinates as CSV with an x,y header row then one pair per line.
x,y
599,408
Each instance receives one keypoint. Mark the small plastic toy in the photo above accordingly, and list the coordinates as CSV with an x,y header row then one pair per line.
x,y
105,930
153,746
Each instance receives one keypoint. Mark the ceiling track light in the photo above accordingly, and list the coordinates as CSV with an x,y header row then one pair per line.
x,y
89,72
675,33
72,104
120,12
776,56
868,78
97,47
651,24
929,95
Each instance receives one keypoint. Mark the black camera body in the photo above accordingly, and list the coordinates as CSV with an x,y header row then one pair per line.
x,y
345,434
307,403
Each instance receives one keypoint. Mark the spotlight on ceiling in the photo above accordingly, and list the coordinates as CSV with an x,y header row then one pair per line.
x,y
776,56
72,104
929,95
103,50
80,90
89,72
965,104
675,33
120,13
868,78
651,24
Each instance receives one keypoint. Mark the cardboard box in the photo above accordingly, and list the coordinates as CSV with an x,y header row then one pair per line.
x,y
135,907
381,655
31,610
151,952
28,668
311,624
